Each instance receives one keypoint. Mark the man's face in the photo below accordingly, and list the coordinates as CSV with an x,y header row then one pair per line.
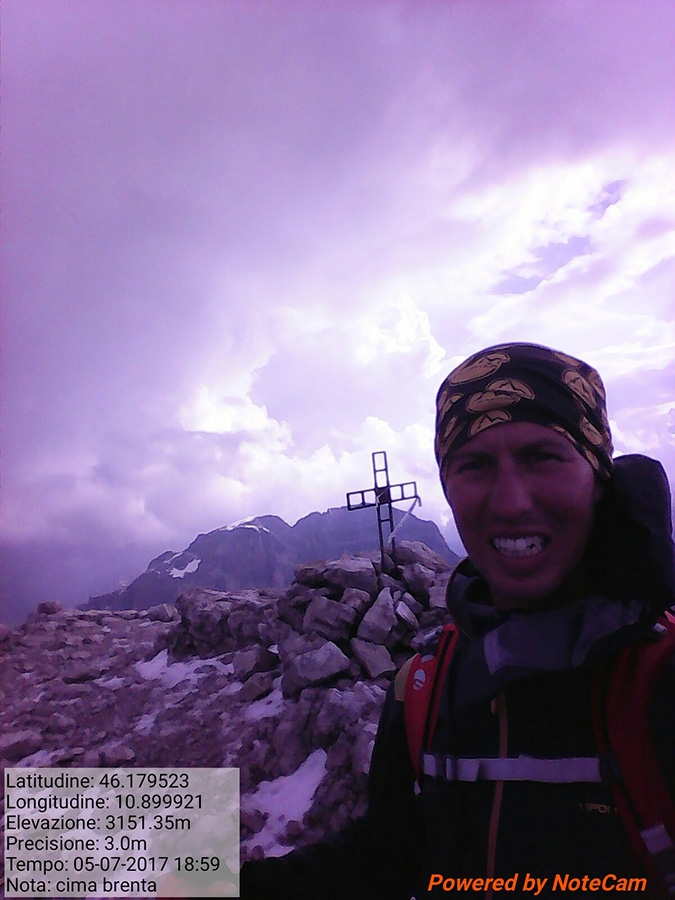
x,y
523,500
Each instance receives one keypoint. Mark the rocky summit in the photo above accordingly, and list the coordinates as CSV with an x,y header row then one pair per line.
x,y
286,685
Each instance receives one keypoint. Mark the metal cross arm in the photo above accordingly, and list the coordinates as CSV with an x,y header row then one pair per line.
x,y
373,497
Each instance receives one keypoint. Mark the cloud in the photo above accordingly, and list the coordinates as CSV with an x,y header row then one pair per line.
x,y
549,259
611,193
331,373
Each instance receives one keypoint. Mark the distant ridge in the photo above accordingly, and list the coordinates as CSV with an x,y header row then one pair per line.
x,y
262,552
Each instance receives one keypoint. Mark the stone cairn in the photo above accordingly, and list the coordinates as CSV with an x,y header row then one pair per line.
x,y
254,679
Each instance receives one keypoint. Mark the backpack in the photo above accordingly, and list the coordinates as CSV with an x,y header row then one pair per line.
x,y
622,691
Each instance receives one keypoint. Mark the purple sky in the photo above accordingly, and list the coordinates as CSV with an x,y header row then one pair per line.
x,y
245,242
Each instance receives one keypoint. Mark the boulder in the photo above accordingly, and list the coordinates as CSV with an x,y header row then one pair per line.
x,y
15,745
415,606
309,575
329,618
315,667
374,658
418,579
249,662
411,552
204,617
257,686
248,607
163,612
379,620
252,820
274,633
363,749
49,607
437,593
342,710
290,613
59,723
351,572
390,582
80,674
297,644
292,832
405,614
294,738
356,599
291,607
399,636
117,754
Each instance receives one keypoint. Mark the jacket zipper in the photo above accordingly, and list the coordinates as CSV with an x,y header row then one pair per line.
x,y
498,706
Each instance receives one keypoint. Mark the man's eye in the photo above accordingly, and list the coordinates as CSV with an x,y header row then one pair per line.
x,y
542,456
472,465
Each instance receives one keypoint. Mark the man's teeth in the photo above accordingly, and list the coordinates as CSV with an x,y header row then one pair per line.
x,y
522,546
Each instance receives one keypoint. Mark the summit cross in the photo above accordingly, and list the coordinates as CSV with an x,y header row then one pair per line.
x,y
381,496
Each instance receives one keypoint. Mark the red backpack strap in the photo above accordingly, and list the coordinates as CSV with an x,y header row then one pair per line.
x,y
423,689
622,698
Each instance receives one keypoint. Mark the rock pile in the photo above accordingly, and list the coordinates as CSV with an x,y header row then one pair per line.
x,y
287,686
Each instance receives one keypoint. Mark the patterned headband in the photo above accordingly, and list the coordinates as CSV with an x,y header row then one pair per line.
x,y
524,383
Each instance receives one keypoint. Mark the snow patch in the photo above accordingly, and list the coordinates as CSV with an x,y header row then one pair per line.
x,y
245,523
268,706
145,723
191,567
237,524
170,674
233,688
285,799
113,682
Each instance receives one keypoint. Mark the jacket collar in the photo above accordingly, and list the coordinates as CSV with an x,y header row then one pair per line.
x,y
507,646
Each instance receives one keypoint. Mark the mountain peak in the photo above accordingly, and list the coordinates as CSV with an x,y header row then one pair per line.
x,y
262,552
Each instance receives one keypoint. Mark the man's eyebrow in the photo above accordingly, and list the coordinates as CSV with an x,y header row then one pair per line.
x,y
542,443
470,453
547,442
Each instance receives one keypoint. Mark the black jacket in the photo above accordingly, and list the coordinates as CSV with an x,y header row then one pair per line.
x,y
544,830
540,666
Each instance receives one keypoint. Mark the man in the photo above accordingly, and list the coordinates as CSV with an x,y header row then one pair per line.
x,y
570,560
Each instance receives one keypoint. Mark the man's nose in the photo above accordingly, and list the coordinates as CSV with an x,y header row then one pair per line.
x,y
510,495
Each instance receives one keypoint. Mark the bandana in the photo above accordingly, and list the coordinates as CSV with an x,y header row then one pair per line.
x,y
524,383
